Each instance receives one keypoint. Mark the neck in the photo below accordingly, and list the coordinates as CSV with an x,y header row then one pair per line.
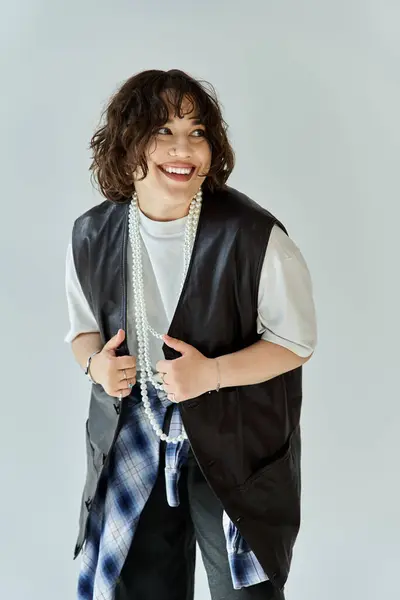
x,y
162,211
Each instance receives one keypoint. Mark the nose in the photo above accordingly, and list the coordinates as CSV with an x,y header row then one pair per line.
x,y
180,147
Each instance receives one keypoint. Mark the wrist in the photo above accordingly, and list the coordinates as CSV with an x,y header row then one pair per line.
x,y
218,369
90,370
215,375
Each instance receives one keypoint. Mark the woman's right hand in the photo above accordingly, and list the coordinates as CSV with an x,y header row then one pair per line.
x,y
113,372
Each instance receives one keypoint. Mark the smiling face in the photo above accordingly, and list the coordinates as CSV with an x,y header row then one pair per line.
x,y
178,160
152,122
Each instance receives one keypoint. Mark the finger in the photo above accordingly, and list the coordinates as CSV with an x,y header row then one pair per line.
x,y
126,374
167,387
125,362
115,341
123,393
177,345
128,383
163,366
125,382
173,398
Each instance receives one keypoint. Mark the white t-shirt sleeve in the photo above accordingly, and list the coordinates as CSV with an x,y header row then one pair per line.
x,y
81,317
286,311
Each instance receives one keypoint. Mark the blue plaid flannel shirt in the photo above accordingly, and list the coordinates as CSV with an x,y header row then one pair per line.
x,y
123,490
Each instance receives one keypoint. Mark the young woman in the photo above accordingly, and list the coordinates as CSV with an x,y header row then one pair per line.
x,y
194,435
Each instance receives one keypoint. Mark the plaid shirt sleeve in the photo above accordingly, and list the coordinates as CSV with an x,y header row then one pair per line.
x,y
244,566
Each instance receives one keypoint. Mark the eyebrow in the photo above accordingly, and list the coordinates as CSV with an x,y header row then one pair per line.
x,y
195,121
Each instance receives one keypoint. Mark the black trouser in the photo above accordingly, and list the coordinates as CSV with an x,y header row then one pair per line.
x,y
161,561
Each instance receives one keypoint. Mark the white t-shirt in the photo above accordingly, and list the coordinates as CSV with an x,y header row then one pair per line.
x,y
286,312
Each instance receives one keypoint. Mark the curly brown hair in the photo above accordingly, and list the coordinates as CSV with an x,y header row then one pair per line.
x,y
132,117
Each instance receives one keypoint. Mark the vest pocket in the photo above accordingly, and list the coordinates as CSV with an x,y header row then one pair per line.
x,y
273,492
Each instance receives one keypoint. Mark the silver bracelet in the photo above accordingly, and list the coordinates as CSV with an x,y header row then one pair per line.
x,y
87,370
219,377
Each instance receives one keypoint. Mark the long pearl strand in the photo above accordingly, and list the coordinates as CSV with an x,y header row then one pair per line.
x,y
141,321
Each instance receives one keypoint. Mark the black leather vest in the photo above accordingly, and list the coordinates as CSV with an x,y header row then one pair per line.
x,y
246,439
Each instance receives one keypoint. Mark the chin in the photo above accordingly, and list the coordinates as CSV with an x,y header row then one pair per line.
x,y
178,193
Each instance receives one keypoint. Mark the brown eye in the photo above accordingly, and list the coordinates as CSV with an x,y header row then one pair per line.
x,y
199,133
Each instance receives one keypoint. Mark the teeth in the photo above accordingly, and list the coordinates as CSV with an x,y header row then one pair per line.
x,y
178,171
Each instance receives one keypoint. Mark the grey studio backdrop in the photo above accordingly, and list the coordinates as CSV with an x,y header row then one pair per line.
x,y
311,91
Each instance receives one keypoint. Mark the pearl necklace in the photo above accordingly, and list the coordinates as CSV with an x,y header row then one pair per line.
x,y
141,321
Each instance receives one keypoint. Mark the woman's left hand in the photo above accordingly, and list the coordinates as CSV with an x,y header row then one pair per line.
x,y
188,376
